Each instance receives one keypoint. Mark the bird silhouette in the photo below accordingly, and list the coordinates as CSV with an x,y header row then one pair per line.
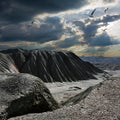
x,y
34,21
105,10
91,15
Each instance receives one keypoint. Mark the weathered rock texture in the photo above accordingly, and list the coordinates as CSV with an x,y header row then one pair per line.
x,y
101,103
7,65
23,93
52,66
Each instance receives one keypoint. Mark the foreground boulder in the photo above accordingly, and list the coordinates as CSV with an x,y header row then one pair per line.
x,y
23,93
52,66
7,65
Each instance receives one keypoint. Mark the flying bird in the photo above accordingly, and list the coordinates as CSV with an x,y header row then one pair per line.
x,y
91,15
105,10
34,21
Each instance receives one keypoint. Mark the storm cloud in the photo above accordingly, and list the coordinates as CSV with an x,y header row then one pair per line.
x,y
95,51
21,10
68,42
102,40
50,29
92,36
49,25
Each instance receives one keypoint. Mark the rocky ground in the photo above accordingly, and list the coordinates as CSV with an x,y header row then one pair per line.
x,y
65,90
108,66
88,99
101,102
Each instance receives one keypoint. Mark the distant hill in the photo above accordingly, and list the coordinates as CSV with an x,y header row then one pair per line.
x,y
52,66
99,59
104,63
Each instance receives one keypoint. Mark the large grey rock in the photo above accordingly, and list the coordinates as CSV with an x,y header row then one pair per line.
x,y
53,66
23,93
7,65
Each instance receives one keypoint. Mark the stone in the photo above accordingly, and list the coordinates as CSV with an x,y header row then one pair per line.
x,y
22,94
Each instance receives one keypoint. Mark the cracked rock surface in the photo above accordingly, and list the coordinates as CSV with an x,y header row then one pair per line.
x,y
23,93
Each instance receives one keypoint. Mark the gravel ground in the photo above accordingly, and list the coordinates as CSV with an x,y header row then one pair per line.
x,y
65,90
103,103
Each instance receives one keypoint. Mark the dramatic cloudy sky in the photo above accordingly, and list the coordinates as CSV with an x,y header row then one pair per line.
x,y
61,25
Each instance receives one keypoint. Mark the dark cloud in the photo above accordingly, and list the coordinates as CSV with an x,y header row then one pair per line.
x,y
110,18
16,25
48,48
95,51
51,29
68,42
31,47
102,40
22,10
90,29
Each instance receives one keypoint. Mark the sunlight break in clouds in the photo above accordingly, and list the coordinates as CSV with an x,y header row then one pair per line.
x,y
61,26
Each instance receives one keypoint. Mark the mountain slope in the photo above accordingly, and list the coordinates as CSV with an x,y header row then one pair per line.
x,y
52,66
7,65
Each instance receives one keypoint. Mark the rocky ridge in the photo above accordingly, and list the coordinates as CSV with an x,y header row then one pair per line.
x,y
7,65
52,66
